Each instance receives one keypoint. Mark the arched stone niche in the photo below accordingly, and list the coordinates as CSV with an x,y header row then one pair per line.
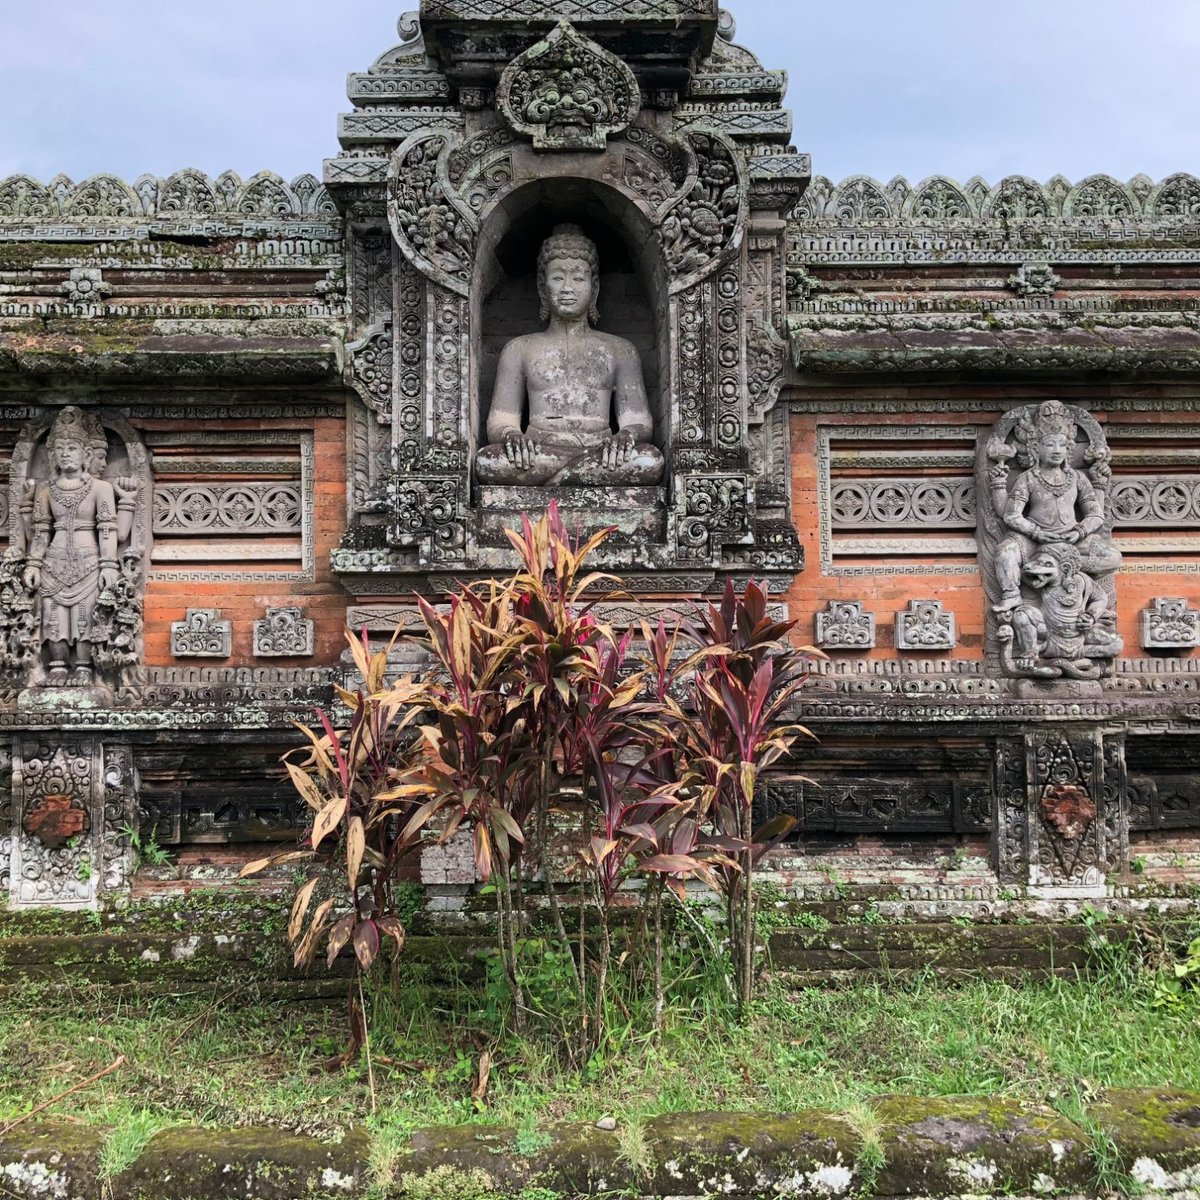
x,y
633,292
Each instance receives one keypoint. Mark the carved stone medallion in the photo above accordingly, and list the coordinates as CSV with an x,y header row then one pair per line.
x,y
568,93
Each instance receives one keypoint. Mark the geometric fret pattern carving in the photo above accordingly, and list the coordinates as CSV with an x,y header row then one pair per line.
x,y
872,805
202,635
240,509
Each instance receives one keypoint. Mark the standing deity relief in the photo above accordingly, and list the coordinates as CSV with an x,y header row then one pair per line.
x,y
1046,544
72,578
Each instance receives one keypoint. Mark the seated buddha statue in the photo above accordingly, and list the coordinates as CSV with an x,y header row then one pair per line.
x,y
578,383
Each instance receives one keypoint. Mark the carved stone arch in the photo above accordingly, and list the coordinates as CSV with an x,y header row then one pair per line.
x,y
227,185
1101,196
266,193
1176,196
860,198
512,228
188,191
21,196
1016,198
103,196
1057,188
939,198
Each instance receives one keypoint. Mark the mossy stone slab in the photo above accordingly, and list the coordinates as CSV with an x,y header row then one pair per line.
x,y
956,1146
245,1164
51,1160
1157,1131
804,1154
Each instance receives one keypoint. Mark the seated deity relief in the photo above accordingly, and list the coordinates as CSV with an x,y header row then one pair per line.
x,y
1053,554
578,383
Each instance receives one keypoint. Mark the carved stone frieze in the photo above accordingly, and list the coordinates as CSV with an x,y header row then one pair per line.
x,y
284,633
203,634
1045,544
238,509
1170,623
845,625
926,625
568,93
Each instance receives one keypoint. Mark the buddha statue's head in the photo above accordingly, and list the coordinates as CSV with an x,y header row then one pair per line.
x,y
569,275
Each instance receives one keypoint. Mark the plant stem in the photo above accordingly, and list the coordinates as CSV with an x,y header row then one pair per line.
x,y
362,1004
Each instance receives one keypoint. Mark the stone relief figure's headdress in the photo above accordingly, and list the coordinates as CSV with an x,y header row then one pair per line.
x,y
70,426
1048,419
569,241
97,438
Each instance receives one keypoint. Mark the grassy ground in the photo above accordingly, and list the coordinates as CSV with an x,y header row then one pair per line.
x,y
208,1061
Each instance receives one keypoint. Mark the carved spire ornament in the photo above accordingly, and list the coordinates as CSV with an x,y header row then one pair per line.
x,y
568,93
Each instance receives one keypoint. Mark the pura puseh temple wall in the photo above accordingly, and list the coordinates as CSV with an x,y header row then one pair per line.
x,y
567,251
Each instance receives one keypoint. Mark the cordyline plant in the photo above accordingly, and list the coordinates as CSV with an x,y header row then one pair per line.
x,y
536,722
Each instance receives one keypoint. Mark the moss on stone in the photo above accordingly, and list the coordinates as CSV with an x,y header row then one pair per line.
x,y
50,1159
1160,1124
962,1145
254,1164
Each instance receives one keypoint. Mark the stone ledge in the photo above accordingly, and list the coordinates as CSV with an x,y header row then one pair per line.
x,y
944,1148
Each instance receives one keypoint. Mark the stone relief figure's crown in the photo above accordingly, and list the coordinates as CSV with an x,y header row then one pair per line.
x,y
70,426
1051,418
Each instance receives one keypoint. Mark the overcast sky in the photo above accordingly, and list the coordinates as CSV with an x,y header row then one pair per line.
x,y
884,87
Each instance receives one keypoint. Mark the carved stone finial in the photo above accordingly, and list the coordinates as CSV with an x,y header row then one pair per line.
x,y
568,93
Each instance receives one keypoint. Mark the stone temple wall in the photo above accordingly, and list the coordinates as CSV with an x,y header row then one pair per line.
x,y
283,391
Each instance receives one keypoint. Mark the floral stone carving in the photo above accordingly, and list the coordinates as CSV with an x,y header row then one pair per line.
x,y
72,580
844,625
284,633
202,635
1046,548
568,93
1170,624
925,625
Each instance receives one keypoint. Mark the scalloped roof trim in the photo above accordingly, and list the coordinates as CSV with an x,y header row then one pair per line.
x,y
186,194
860,198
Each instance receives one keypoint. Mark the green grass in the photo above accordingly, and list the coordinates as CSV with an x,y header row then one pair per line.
x,y
203,1061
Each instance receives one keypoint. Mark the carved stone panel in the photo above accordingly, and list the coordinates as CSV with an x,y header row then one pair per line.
x,y
845,625
203,634
1170,623
568,93
926,625
73,580
60,825
284,633
1046,550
